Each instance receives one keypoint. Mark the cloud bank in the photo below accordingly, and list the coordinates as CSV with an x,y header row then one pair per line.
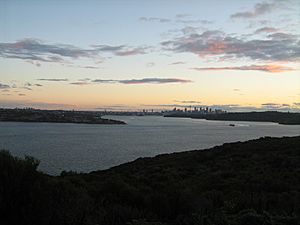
x,y
121,50
54,79
36,51
187,101
154,19
258,10
214,43
133,81
177,63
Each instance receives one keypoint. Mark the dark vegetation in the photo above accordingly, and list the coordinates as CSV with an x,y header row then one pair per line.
x,y
269,116
251,183
54,116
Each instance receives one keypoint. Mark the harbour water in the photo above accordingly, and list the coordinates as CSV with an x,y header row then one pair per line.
x,y
86,147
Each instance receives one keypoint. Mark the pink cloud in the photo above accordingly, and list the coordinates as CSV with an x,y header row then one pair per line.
x,y
266,30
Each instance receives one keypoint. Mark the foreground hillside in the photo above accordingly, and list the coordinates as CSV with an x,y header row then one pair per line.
x,y
251,183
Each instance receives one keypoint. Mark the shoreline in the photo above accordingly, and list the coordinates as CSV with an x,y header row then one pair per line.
x,y
213,148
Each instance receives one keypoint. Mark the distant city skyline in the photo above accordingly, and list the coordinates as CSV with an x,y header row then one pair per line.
x,y
135,55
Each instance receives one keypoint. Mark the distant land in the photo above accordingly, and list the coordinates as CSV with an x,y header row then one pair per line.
x,y
286,118
54,116
255,182
95,117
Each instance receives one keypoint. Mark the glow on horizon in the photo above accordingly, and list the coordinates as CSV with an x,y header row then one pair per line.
x,y
130,55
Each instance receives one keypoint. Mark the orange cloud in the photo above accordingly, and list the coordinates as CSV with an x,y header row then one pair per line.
x,y
264,68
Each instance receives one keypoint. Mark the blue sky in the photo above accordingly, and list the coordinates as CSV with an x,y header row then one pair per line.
x,y
150,54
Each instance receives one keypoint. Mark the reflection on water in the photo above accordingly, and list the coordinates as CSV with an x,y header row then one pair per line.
x,y
85,147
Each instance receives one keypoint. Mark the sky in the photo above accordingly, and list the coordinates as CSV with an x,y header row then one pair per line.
x,y
236,55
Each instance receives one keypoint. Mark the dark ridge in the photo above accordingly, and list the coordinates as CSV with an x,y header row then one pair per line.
x,y
54,116
255,182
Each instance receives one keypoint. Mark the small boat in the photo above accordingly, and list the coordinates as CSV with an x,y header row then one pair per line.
x,y
232,125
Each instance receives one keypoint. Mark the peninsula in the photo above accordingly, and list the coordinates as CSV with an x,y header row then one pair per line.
x,y
244,183
54,116
286,118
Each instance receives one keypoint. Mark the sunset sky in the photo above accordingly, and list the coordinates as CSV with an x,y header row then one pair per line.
x,y
132,54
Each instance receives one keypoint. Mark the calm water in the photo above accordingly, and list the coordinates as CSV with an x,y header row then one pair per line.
x,y
84,147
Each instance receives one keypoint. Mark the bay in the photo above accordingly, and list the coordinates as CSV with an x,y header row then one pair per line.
x,y
87,147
